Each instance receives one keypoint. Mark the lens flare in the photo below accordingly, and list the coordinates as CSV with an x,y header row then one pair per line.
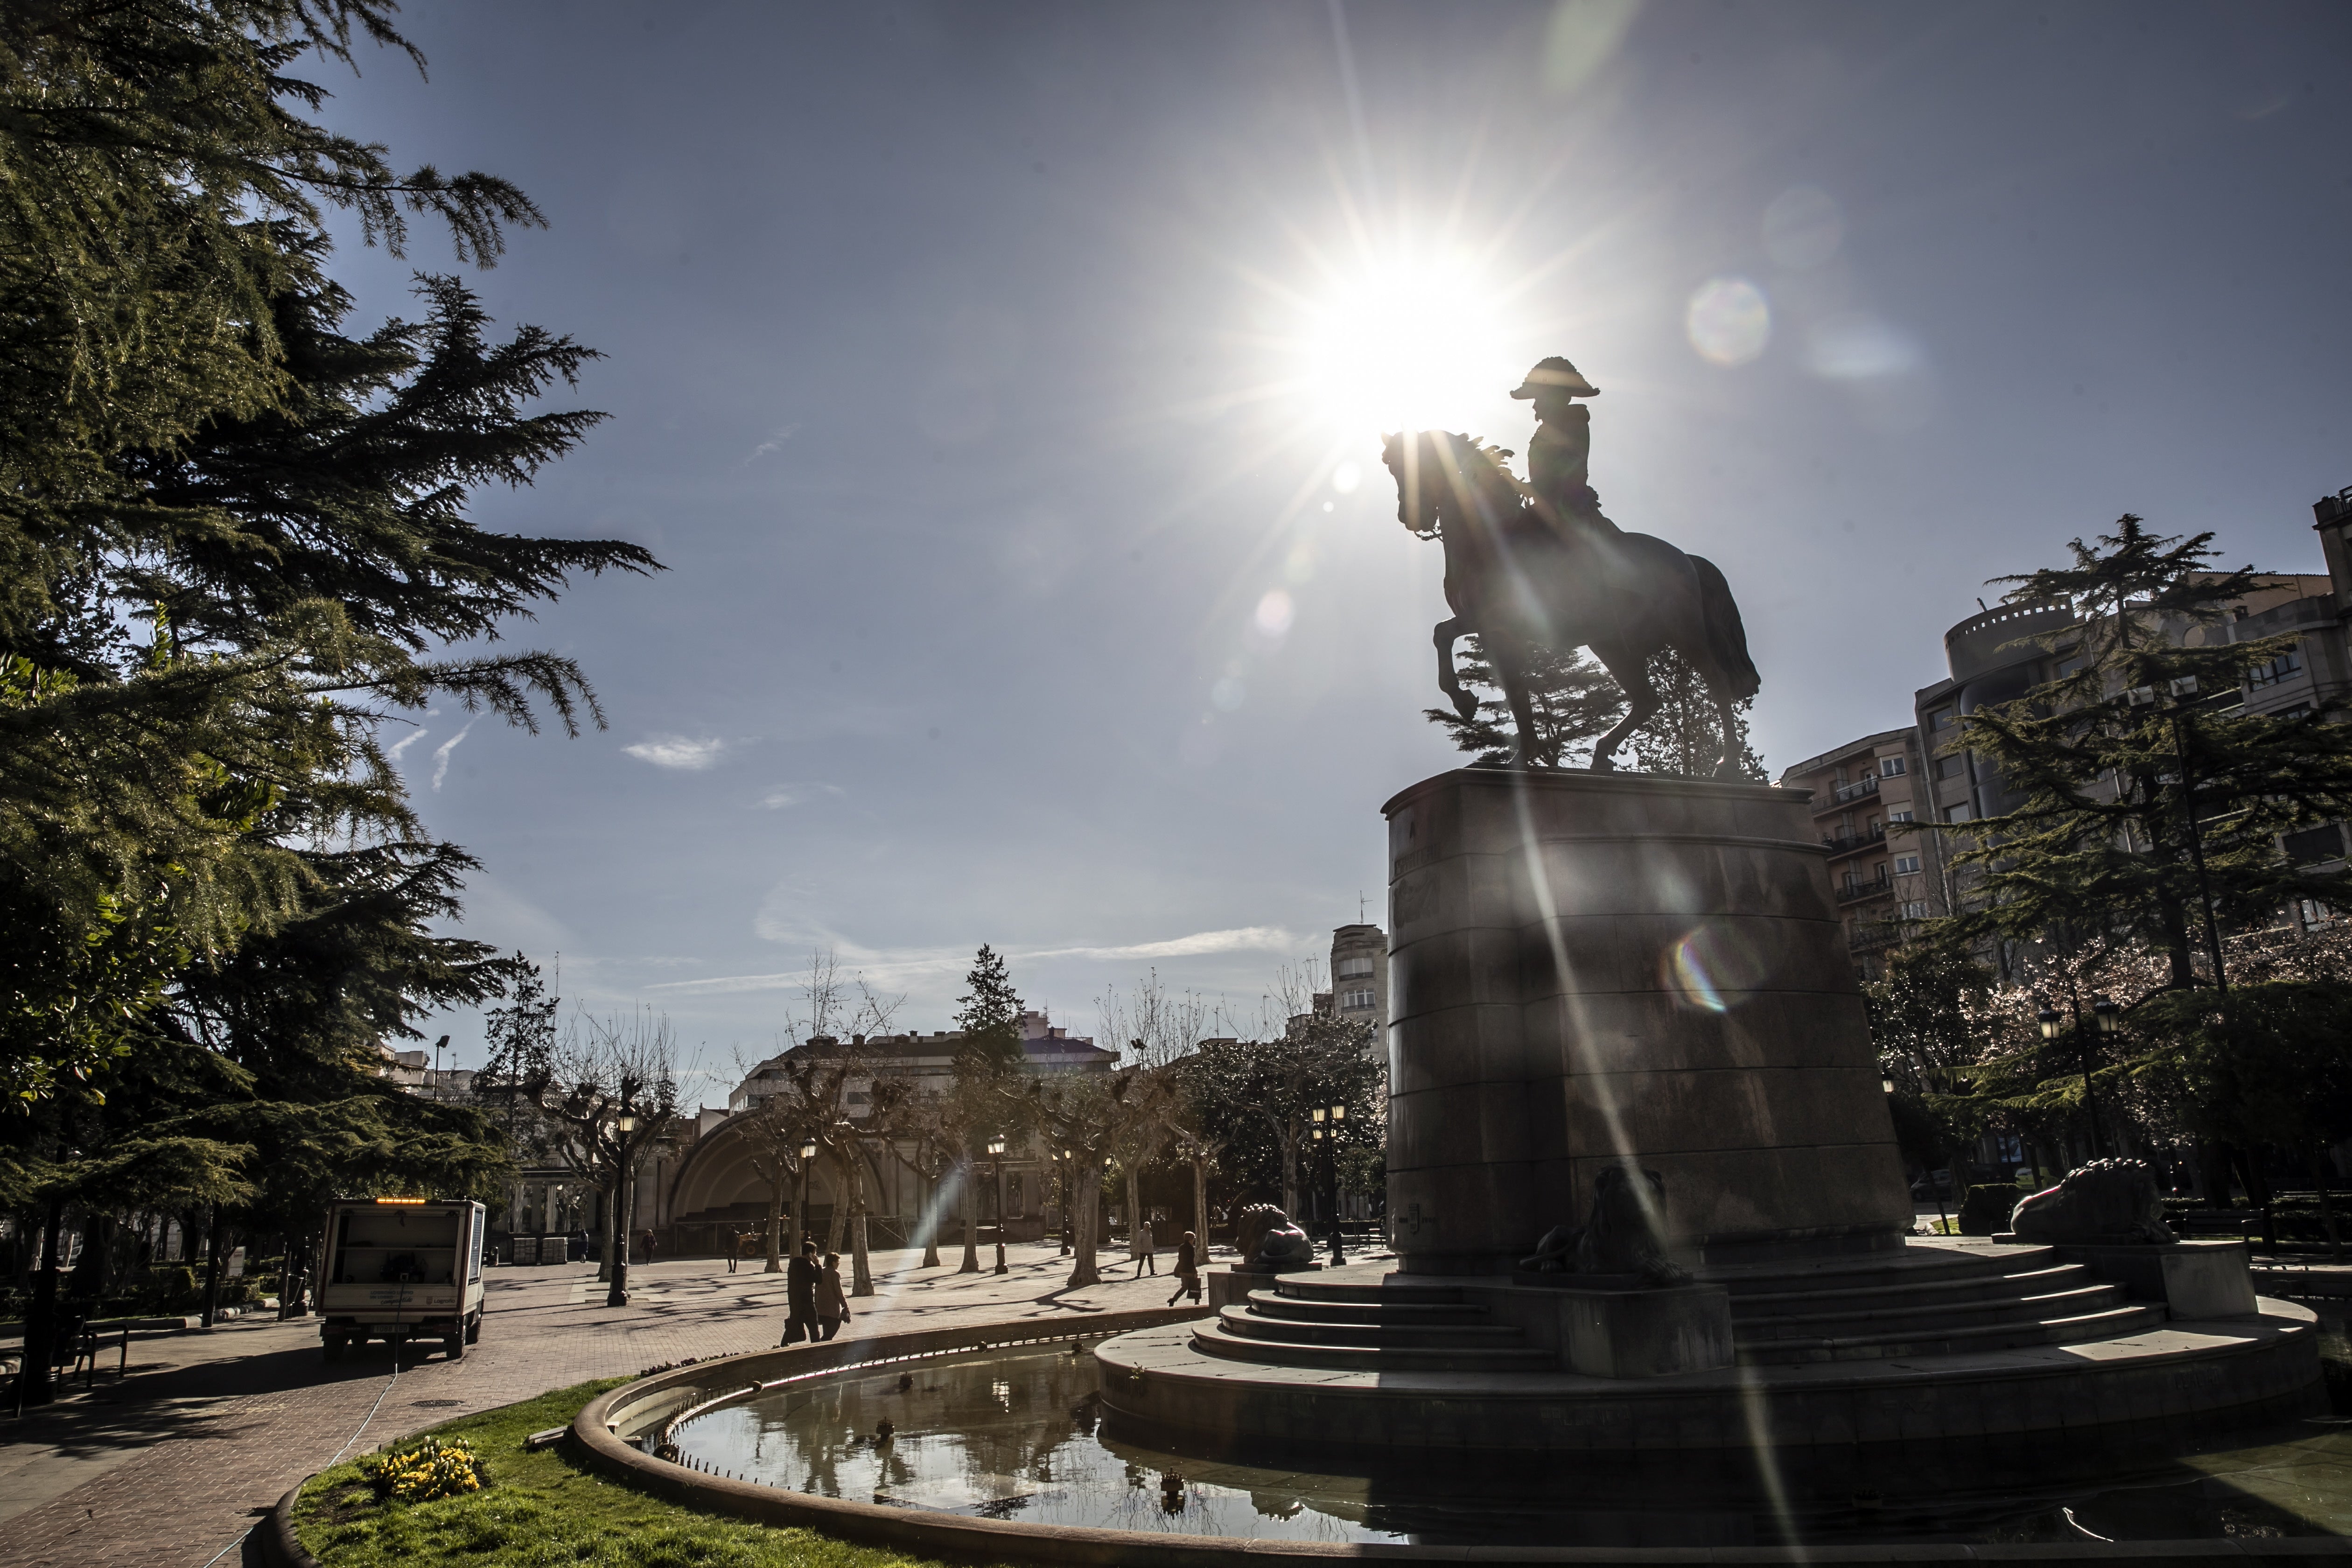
x,y
1274,613
1710,969
1728,321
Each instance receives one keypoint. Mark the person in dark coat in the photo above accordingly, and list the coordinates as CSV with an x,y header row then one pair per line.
x,y
1187,1269
832,1304
802,1276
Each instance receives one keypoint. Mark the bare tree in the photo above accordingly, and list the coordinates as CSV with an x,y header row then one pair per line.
x,y
1085,1116
581,1082
1161,1030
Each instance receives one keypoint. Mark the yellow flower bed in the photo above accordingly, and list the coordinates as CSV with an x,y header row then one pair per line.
x,y
434,1468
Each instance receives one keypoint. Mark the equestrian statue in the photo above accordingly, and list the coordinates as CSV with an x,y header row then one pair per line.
x,y
1535,564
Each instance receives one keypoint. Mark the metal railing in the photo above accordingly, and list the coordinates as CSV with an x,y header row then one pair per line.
x,y
1847,794
1845,843
1854,887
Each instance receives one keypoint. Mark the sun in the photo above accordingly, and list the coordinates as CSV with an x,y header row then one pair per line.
x,y
1406,345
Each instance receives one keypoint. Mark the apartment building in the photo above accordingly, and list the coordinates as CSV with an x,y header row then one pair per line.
x,y
1865,794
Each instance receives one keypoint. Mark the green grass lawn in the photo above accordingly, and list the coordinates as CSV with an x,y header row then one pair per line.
x,y
544,1508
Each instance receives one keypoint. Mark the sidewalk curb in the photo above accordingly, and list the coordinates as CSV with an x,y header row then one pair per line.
x,y
280,1547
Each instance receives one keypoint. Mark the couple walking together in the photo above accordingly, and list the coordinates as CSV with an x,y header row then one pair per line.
x,y
812,1294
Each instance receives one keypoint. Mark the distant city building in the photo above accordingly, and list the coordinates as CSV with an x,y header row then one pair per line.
x,y
714,1192
1360,979
1884,875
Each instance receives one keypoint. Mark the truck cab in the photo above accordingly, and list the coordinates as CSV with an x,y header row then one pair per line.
x,y
401,1268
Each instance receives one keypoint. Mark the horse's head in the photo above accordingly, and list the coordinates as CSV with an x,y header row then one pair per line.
x,y
1423,464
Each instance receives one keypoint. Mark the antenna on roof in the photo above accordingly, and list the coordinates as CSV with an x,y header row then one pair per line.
x,y
1983,605
1360,905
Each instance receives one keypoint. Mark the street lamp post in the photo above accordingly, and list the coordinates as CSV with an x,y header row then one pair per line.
x,y
1336,1115
799,1207
624,1125
1070,1197
2053,1023
996,1152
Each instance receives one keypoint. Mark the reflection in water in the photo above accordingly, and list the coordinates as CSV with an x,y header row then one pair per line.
x,y
1021,1434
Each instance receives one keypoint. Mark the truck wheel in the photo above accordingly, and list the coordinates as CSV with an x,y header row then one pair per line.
x,y
474,1329
333,1347
455,1345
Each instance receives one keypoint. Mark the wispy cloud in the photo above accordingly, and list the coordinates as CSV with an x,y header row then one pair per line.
x,y
677,751
915,963
784,796
770,445
441,753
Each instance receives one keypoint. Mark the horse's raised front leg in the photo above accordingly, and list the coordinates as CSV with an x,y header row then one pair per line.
x,y
1631,672
1448,681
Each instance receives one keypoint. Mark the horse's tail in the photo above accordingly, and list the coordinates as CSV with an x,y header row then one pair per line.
x,y
1727,639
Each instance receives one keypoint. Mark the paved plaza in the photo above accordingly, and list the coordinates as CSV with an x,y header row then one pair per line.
x,y
168,1468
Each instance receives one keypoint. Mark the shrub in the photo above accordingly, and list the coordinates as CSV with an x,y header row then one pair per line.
x,y
1987,1208
435,1467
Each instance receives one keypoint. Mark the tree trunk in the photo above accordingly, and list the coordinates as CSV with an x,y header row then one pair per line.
x,y
1290,1171
36,1384
2214,1188
2258,1190
776,1220
968,1200
861,1271
1136,1221
1085,1198
2326,1205
1200,1206
214,1236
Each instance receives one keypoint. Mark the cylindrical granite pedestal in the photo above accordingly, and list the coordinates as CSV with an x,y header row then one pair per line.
x,y
1593,968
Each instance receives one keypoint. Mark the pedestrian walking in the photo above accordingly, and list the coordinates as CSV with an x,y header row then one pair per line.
x,y
1144,1248
832,1306
1188,1270
802,1276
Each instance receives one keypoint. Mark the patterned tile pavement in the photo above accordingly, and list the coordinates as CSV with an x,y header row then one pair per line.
x,y
169,1468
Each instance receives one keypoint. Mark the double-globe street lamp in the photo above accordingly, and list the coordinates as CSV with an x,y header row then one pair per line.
x,y
624,1126
1337,1114
800,1209
2107,1018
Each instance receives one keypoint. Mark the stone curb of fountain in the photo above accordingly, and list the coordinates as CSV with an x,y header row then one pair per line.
x,y
958,1537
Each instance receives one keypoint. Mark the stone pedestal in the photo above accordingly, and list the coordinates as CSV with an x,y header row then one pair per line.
x,y
2200,1278
1231,1286
1588,968
1645,1333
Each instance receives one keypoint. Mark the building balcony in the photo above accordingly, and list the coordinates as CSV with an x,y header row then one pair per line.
x,y
1869,936
1855,888
1847,843
1845,795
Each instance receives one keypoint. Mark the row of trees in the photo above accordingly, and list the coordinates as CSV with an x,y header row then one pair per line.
x,y
2139,861
1242,1110
236,550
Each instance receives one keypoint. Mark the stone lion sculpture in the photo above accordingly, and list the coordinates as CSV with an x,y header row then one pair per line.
x,y
2105,1201
1619,1237
1271,1241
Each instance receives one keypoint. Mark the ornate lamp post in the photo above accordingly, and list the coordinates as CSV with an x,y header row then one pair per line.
x,y
800,1204
625,1124
996,1152
2053,1023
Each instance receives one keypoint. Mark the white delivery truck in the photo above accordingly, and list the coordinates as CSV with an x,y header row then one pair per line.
x,y
402,1269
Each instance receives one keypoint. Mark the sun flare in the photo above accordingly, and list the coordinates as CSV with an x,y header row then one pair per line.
x,y
1405,346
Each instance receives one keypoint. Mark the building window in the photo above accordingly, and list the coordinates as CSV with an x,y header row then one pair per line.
x,y
1906,864
1915,911
1357,1001
1962,813
1943,718
2067,666
1357,968
1898,816
2314,844
2276,671
1952,767
1890,767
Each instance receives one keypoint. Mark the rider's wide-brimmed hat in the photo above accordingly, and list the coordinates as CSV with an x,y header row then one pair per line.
x,y
1556,375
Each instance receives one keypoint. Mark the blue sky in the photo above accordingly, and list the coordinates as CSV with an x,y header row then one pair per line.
x,y
1002,385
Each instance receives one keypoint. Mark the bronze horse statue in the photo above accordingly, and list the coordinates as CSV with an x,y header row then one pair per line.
x,y
1521,583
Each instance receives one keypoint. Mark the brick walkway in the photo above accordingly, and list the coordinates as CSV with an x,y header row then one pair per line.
x,y
169,1469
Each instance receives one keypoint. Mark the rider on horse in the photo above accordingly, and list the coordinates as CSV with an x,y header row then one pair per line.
x,y
1559,456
